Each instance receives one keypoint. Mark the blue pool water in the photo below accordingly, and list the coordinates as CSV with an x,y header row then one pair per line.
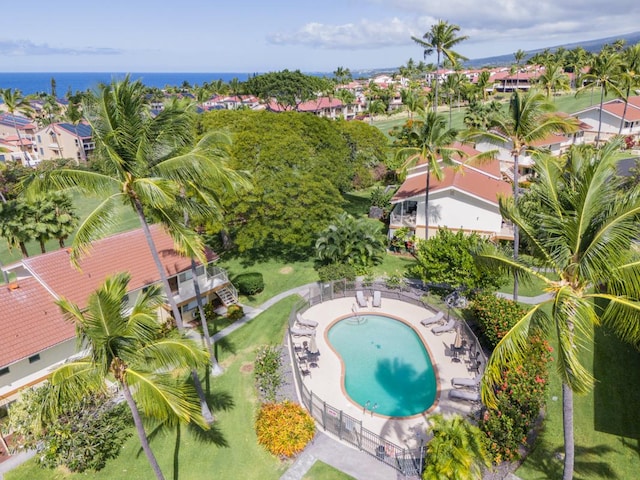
x,y
385,363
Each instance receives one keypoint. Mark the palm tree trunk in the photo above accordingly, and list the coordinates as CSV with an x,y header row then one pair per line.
x,y
141,433
567,424
516,231
426,204
23,249
435,103
624,112
600,115
206,413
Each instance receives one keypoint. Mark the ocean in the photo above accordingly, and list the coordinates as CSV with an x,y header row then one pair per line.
x,y
29,83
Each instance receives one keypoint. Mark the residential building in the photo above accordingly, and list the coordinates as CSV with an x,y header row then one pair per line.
x,y
19,146
65,140
466,198
33,333
611,118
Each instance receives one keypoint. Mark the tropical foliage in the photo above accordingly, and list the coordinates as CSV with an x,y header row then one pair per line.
x,y
495,316
288,89
268,371
284,429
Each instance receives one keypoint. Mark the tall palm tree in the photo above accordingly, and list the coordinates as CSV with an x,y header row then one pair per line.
x,y
630,70
519,56
412,100
125,344
581,237
442,37
553,79
73,115
16,103
456,451
146,170
604,72
428,142
531,117
577,59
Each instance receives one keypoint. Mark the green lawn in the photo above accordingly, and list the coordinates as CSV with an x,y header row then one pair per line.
x,y
231,450
321,471
607,427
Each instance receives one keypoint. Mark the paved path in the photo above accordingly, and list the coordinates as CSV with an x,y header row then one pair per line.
x,y
352,462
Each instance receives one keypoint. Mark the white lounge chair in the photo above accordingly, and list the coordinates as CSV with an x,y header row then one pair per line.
x,y
377,299
362,302
301,332
447,327
468,395
304,323
437,318
466,382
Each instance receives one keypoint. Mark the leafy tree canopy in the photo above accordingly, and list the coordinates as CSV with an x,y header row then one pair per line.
x,y
287,88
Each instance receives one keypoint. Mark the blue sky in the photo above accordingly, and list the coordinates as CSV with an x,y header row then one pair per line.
x,y
268,35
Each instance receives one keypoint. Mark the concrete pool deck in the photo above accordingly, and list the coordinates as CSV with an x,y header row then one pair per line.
x,y
326,382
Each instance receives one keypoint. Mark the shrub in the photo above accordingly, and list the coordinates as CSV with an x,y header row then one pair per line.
x,y
495,316
284,429
235,312
520,398
267,369
336,271
249,283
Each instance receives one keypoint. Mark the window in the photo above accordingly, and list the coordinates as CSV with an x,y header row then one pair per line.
x,y
41,151
34,358
4,371
39,139
184,276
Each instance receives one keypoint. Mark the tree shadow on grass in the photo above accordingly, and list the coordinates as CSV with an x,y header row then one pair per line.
x,y
550,463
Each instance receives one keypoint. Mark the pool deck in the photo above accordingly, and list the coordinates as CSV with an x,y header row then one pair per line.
x,y
326,382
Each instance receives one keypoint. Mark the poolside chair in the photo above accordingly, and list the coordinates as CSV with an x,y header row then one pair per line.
x,y
362,302
437,318
447,327
467,382
300,332
469,396
377,299
305,323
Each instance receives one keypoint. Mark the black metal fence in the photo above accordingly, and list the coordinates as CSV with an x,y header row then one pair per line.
x,y
408,462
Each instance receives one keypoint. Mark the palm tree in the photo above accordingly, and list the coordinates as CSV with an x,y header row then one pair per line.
x,y
442,38
125,344
581,236
456,451
342,75
531,117
428,142
630,69
604,71
146,170
16,103
577,59
412,100
73,115
553,79
518,56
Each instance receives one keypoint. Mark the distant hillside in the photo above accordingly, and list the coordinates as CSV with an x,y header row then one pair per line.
x,y
588,45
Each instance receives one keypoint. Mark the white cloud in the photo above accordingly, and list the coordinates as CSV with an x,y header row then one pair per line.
x,y
365,34
15,48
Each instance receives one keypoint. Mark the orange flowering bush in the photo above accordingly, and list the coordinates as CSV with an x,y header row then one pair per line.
x,y
520,398
495,316
284,429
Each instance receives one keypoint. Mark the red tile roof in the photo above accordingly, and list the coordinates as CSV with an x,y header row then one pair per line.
x,y
468,180
617,108
31,321
126,251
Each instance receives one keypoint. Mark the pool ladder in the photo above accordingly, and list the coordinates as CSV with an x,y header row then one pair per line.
x,y
356,319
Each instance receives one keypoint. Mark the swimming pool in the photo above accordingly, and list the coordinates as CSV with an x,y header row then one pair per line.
x,y
386,365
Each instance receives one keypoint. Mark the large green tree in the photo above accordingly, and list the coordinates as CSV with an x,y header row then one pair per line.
x,y
442,37
288,89
584,257
126,346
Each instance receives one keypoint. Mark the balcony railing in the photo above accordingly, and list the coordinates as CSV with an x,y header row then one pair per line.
x,y
212,279
405,220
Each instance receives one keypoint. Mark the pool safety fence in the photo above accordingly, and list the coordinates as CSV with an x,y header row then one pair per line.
x,y
408,462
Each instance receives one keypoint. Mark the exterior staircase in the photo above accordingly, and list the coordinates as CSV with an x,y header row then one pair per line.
x,y
228,294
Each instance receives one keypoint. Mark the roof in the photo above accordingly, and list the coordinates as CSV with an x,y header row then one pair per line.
x,y
126,251
31,321
83,129
470,180
21,122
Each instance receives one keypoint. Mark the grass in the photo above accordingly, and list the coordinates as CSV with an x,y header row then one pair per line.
x,y
232,450
606,426
321,471
529,289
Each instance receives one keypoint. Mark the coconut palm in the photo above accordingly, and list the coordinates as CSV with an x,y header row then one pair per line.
x,y
146,169
553,79
16,103
604,72
581,237
531,117
73,115
412,100
456,451
577,58
442,37
125,344
519,56
630,69
428,141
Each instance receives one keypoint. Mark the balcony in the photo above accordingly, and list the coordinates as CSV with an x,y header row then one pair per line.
x,y
403,219
213,279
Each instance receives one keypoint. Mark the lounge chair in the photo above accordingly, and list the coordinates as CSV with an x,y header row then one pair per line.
x,y
362,302
468,395
304,323
437,318
301,332
377,299
466,382
447,327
